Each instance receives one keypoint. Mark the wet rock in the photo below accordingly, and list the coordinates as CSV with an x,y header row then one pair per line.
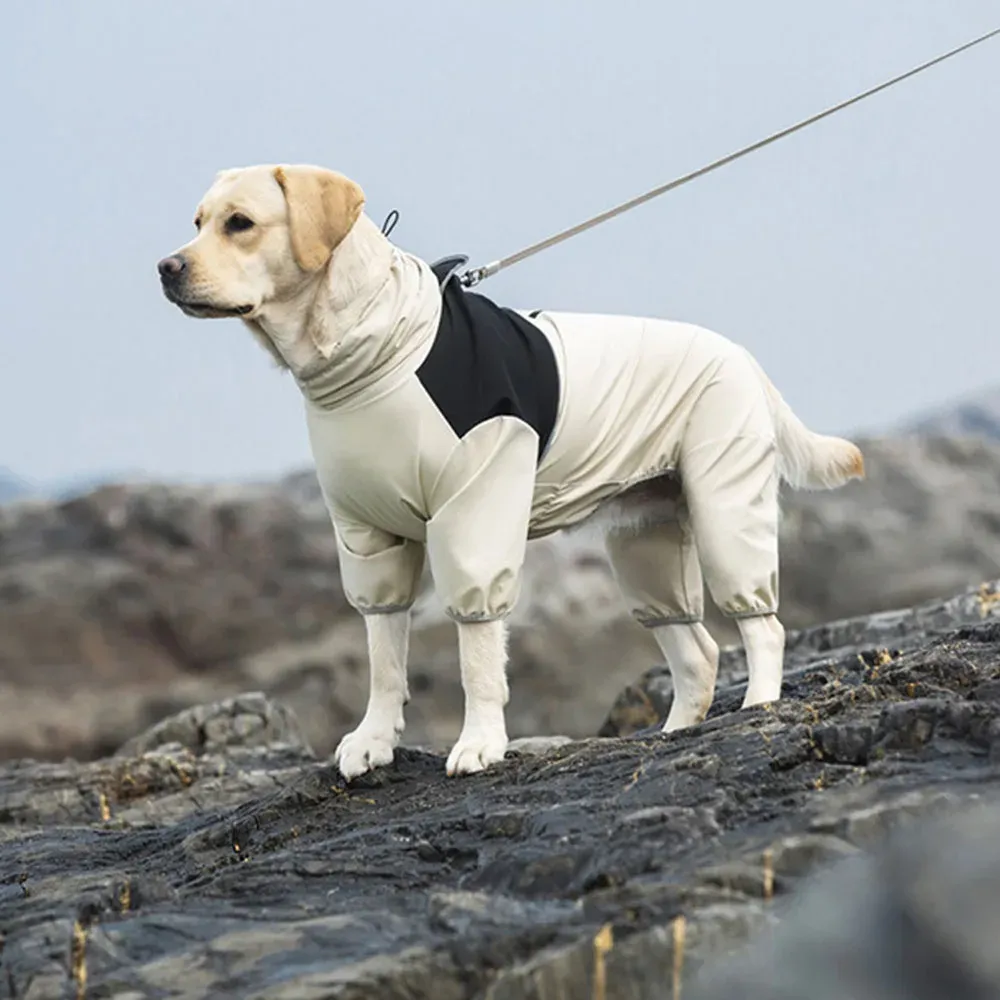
x,y
605,866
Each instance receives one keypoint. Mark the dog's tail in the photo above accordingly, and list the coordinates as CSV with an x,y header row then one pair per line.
x,y
807,460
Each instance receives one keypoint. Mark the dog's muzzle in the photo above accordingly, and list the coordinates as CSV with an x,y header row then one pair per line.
x,y
173,273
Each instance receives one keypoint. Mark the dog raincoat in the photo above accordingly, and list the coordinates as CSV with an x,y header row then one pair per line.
x,y
448,429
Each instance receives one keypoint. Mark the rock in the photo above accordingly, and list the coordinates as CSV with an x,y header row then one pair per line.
x,y
615,867
131,603
536,744
919,920
123,606
250,720
924,524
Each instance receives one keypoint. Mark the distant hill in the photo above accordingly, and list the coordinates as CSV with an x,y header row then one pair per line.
x,y
977,415
74,486
12,487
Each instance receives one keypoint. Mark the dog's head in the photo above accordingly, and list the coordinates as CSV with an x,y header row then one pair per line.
x,y
262,233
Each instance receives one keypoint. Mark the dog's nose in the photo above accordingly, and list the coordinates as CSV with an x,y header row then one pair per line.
x,y
171,268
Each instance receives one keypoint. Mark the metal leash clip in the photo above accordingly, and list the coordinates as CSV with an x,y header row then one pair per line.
x,y
474,275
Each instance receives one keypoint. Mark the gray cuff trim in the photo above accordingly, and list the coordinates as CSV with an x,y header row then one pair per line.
x,y
736,615
477,619
656,622
383,609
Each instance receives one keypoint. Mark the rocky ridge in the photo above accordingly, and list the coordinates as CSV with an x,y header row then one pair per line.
x,y
215,855
130,603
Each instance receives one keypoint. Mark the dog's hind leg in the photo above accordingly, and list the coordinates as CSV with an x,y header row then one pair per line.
x,y
764,640
693,658
482,650
728,464
373,742
656,567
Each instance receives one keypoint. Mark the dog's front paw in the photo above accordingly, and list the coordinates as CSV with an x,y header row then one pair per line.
x,y
363,750
476,749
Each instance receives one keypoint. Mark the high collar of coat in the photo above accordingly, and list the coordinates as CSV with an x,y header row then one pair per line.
x,y
372,316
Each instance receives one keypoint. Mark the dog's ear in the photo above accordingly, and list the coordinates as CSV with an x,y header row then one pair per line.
x,y
322,208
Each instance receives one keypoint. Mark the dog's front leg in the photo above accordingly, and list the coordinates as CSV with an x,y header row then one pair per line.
x,y
373,742
476,537
482,650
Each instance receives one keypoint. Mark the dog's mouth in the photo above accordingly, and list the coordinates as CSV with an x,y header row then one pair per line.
x,y
202,310
206,310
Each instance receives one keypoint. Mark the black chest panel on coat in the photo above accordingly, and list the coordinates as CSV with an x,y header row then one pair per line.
x,y
488,361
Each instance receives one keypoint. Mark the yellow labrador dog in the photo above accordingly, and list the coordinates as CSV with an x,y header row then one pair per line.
x,y
449,429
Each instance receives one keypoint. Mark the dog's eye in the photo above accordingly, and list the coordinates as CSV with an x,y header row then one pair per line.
x,y
197,223
237,223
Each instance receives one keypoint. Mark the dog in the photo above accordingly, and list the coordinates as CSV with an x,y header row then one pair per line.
x,y
447,428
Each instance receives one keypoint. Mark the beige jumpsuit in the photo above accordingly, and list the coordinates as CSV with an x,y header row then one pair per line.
x,y
639,397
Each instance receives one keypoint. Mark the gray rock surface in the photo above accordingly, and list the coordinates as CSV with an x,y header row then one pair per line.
x,y
610,868
129,604
920,921
248,720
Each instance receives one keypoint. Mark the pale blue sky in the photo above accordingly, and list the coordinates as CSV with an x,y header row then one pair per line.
x,y
857,259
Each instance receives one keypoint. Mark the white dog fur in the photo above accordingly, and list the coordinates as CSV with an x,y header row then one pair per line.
x,y
272,249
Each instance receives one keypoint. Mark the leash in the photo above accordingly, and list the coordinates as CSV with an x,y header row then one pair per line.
x,y
475,275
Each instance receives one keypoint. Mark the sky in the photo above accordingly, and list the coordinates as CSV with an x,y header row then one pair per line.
x,y
857,259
